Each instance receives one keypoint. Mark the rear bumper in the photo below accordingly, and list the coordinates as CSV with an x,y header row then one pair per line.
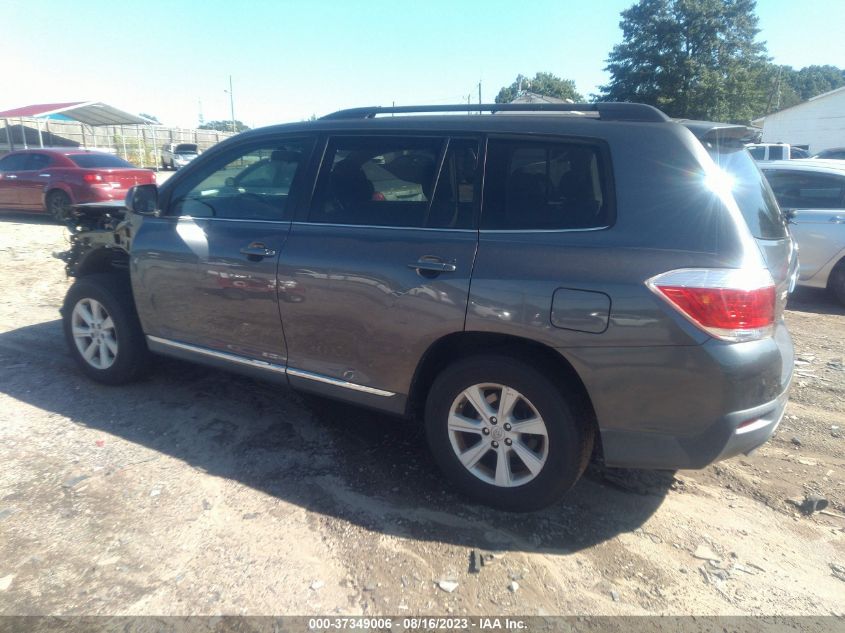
x,y
686,407
739,432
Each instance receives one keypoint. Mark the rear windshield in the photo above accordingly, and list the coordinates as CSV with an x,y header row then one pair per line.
x,y
750,189
186,149
94,161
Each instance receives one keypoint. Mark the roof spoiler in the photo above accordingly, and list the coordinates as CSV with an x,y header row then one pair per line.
x,y
607,111
712,131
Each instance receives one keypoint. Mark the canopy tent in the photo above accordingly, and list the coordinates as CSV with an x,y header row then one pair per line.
x,y
88,112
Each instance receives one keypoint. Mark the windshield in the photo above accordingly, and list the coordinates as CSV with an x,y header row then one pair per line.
x,y
750,189
186,149
93,161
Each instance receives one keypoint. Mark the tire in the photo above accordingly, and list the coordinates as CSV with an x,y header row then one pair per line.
x,y
500,477
836,282
58,206
120,353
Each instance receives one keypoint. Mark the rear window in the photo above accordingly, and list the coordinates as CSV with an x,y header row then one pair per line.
x,y
186,149
95,161
750,189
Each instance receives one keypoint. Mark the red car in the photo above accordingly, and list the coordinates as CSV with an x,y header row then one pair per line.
x,y
50,180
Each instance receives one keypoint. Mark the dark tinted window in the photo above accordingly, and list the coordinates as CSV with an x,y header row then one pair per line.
x,y
16,162
37,161
544,185
377,181
806,190
249,183
185,148
456,195
103,161
758,153
750,189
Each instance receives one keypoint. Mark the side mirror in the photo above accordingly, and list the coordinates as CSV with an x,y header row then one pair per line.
x,y
143,200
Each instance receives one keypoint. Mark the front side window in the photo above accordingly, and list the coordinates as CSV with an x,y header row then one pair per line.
x,y
805,190
15,162
534,185
252,183
377,181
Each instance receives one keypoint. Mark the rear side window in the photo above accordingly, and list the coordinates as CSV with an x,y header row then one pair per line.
x,y
806,190
377,181
749,188
758,153
535,185
100,161
37,161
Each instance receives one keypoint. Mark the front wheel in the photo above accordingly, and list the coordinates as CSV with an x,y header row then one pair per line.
x,y
505,434
102,330
58,206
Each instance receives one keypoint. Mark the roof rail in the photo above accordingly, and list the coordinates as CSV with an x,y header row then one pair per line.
x,y
607,111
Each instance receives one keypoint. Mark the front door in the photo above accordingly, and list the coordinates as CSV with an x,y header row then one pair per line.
x,y
378,266
31,181
10,168
205,272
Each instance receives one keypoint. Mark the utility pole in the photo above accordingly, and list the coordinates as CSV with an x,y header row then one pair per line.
x,y
479,96
201,118
232,104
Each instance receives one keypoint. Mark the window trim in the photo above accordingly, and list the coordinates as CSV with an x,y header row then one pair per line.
x,y
607,171
315,173
808,173
222,158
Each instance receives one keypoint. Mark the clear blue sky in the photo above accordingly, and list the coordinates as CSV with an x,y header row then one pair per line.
x,y
290,59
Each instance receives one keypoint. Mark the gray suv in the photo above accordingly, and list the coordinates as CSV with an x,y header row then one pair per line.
x,y
586,279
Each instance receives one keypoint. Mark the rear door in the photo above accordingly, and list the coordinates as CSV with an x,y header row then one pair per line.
x,y
378,265
204,274
819,224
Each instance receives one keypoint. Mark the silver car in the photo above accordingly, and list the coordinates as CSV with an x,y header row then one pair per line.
x,y
813,193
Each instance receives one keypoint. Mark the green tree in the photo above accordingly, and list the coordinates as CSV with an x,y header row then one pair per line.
x,y
789,87
695,59
545,84
224,126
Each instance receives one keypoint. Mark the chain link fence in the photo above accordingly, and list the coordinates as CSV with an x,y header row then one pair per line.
x,y
139,144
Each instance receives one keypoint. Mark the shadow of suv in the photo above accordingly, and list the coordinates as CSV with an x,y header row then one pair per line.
x,y
593,278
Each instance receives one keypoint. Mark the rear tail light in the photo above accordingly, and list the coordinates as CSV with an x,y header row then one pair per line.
x,y
729,304
92,177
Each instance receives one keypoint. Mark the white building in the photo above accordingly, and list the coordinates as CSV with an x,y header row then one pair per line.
x,y
818,122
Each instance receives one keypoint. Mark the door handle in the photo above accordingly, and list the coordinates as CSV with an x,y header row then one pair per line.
x,y
11,177
257,250
433,266
43,175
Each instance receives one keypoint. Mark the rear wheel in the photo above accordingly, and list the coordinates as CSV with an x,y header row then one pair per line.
x,y
58,206
836,282
505,434
102,330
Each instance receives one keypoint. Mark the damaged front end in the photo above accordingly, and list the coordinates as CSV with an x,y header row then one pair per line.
x,y
100,239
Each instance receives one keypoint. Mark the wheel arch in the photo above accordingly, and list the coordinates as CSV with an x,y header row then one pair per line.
x,y
459,345
52,188
102,259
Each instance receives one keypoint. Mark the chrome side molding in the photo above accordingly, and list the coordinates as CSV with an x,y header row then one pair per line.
x,y
267,366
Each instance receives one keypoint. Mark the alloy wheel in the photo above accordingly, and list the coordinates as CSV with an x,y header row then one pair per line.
x,y
94,333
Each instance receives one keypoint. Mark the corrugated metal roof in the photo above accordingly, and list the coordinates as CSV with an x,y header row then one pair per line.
x,y
88,112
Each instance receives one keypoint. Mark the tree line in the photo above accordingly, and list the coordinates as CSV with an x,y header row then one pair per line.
x,y
696,59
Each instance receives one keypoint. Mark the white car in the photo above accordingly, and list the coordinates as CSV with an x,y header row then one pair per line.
x,y
176,155
812,193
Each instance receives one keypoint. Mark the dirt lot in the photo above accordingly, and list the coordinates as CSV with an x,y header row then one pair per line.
x,y
201,492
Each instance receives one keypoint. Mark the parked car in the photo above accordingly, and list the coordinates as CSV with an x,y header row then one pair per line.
x,y
798,152
52,180
551,287
836,153
769,151
177,155
814,192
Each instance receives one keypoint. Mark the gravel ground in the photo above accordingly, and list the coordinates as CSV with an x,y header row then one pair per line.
x,y
202,492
